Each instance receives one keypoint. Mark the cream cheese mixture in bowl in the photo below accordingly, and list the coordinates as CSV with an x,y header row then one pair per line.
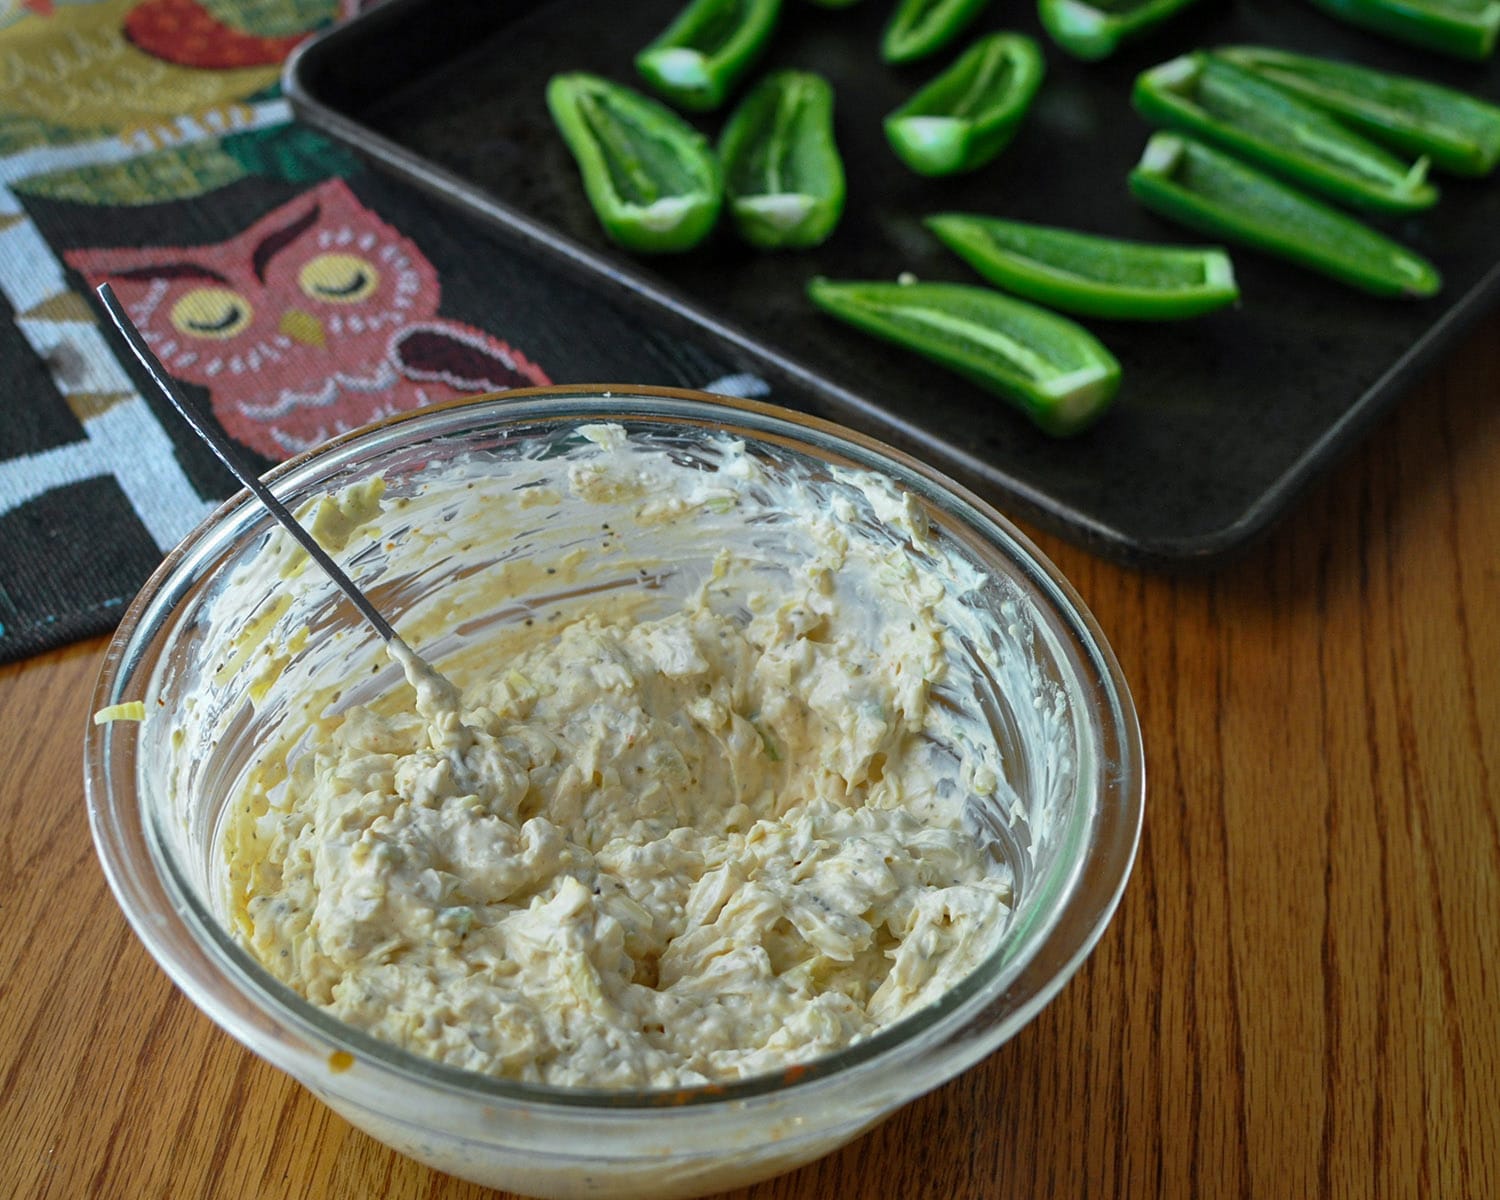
x,y
782,781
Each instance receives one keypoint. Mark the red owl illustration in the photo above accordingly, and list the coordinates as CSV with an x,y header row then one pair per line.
x,y
318,318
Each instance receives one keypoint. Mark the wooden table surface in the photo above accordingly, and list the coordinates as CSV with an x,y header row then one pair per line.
x,y
1300,994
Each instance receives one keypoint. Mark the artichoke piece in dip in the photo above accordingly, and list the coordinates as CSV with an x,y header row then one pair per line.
x,y
651,849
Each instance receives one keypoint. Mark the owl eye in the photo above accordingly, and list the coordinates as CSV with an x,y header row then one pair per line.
x,y
211,312
339,278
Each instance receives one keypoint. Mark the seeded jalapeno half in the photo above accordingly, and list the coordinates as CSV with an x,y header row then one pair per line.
x,y
970,112
708,48
1087,274
1461,28
922,27
1217,194
1458,132
1055,371
783,177
652,179
1219,102
1095,29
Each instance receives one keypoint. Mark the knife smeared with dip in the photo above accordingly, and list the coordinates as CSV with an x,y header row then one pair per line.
x,y
685,823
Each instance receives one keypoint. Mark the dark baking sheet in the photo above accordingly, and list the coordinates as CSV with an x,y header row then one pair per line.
x,y
1220,421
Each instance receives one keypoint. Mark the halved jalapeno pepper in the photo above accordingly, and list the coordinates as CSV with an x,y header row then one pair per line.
x,y
1053,370
1090,275
969,113
1217,194
783,177
1260,121
696,61
922,27
1095,30
652,179
1462,28
1458,132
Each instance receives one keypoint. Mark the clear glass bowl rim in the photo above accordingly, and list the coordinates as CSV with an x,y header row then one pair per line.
x,y
148,899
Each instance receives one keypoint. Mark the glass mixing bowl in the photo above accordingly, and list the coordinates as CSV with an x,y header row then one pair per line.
x,y
204,657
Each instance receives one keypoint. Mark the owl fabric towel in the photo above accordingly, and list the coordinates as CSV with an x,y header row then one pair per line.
x,y
291,292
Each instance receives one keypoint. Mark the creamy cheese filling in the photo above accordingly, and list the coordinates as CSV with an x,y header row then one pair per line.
x,y
644,852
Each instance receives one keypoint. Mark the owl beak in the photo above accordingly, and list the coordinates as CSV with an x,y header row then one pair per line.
x,y
303,327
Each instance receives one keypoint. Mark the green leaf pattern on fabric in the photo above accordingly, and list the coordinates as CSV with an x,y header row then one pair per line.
x,y
175,174
293,152
289,153
272,18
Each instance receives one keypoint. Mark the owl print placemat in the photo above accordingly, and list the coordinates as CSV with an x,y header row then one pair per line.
x,y
291,292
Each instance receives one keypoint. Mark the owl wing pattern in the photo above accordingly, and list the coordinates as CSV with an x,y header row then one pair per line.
x,y
463,358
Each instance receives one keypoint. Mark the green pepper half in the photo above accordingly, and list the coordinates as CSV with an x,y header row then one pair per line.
x,y
922,27
1089,275
696,61
1258,120
1092,31
782,173
652,178
1218,194
1053,370
1458,132
970,112
1462,28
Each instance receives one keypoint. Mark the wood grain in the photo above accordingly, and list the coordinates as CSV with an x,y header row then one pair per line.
x,y
1298,997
